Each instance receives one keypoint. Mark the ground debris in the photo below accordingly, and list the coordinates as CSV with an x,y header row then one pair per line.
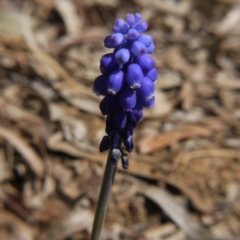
x,y
183,180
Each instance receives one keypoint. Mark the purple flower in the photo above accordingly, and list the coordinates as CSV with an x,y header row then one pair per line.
x,y
115,82
134,76
122,56
151,48
136,114
109,124
100,85
146,92
152,74
138,49
142,26
133,34
146,40
120,119
108,63
120,26
128,142
127,83
146,63
148,102
108,104
130,19
105,144
114,137
127,99
114,40
137,17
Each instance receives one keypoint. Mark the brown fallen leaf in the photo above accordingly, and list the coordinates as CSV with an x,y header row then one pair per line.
x,y
16,113
171,7
70,222
72,20
230,23
176,211
213,153
174,58
28,154
227,81
19,229
47,61
187,95
150,144
136,168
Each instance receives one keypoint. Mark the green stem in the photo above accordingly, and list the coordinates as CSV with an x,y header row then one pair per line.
x,y
104,197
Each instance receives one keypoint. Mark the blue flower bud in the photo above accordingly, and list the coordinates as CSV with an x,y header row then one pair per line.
x,y
152,74
125,161
145,92
109,124
107,42
136,114
120,119
151,48
142,26
137,17
100,85
105,144
134,76
115,155
149,102
130,19
115,82
108,104
129,128
114,40
115,137
120,26
146,63
147,88
133,34
138,48
128,143
103,106
122,56
127,99
146,40
108,63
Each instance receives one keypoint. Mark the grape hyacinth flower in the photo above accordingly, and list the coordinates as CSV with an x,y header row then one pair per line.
x,y
127,86
127,80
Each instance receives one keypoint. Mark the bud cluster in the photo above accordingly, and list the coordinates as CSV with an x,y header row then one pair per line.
x,y
127,80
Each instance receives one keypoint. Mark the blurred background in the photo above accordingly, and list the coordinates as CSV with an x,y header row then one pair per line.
x,y
183,181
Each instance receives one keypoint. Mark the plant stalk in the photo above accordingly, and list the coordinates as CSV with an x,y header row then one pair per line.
x,y
104,196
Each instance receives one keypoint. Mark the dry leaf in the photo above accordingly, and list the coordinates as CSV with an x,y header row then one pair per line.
x,y
150,144
28,154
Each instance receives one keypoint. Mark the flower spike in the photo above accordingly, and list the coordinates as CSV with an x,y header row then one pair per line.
x,y
127,81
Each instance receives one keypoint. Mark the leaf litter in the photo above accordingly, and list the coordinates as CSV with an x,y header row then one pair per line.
x,y
183,180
